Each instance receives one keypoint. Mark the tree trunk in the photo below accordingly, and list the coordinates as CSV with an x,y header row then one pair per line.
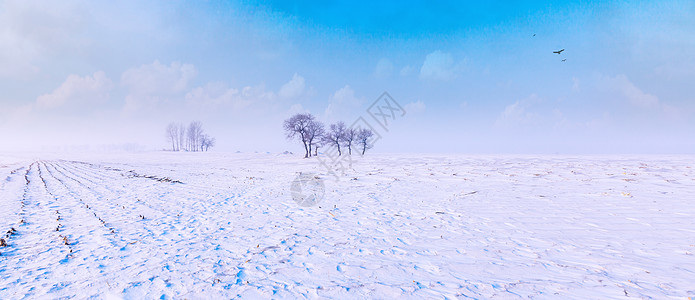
x,y
306,150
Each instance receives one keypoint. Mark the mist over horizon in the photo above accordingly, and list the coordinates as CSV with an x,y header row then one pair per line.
x,y
472,78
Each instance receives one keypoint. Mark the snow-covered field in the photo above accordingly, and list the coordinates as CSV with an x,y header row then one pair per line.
x,y
212,225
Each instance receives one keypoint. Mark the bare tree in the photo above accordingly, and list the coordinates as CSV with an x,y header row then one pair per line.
x,y
181,143
320,140
316,147
335,135
363,136
172,134
314,132
349,136
207,142
194,133
189,138
297,127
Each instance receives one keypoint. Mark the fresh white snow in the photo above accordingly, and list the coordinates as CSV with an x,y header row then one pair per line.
x,y
212,225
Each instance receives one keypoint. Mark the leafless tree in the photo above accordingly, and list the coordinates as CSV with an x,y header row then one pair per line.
x,y
189,138
207,142
335,135
181,143
314,132
349,136
297,127
172,134
194,134
363,136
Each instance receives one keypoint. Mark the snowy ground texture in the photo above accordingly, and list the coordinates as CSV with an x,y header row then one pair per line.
x,y
204,225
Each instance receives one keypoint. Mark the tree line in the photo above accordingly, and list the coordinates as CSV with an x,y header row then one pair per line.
x,y
188,138
313,134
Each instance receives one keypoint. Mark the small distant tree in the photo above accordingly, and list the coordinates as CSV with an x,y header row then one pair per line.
x,y
188,138
181,143
349,136
297,127
207,142
363,136
194,133
172,134
335,135
314,132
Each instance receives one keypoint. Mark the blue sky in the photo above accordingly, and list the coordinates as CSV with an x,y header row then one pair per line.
x,y
474,78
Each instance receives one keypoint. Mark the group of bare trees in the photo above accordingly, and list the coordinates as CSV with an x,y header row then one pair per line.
x,y
188,138
313,134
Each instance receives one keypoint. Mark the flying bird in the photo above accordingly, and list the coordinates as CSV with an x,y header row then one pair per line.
x,y
564,60
534,34
559,51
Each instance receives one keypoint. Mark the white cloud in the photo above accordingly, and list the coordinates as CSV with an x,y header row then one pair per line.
x,y
518,113
415,107
407,70
159,79
296,108
343,103
292,89
384,68
212,94
151,84
633,94
439,65
256,94
217,95
78,90
515,111
31,30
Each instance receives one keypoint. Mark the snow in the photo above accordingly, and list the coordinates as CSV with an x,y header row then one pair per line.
x,y
224,225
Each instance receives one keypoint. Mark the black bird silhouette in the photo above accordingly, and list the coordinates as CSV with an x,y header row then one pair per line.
x,y
534,34
559,51
564,60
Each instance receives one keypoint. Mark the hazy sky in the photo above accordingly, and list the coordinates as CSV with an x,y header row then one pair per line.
x,y
473,78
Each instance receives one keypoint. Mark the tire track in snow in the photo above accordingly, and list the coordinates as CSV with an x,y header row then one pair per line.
x,y
154,235
102,190
78,209
115,198
99,246
204,237
162,195
12,203
37,248
66,237
75,195
129,227
134,257
132,191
